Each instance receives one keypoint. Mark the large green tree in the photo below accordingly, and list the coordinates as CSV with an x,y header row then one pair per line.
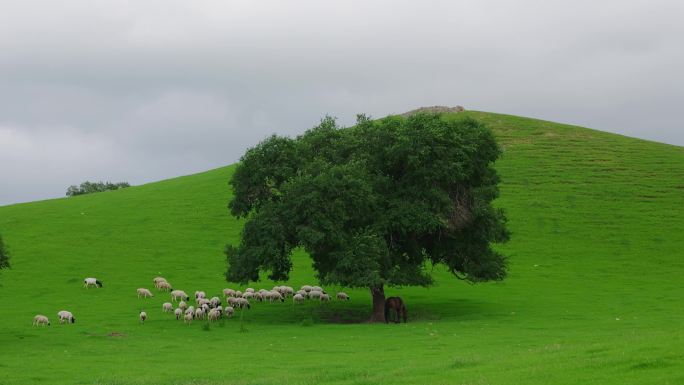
x,y
374,205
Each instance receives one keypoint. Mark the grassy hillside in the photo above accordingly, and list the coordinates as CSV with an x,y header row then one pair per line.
x,y
595,292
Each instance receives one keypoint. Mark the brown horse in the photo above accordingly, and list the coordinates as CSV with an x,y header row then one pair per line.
x,y
396,304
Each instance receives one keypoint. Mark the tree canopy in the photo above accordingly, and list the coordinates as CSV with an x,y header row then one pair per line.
x,y
4,255
375,204
93,187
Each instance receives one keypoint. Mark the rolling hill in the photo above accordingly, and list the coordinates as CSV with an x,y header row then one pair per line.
x,y
594,294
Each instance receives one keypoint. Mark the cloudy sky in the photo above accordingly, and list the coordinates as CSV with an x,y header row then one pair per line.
x,y
146,90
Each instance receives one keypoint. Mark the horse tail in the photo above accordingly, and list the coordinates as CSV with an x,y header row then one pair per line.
x,y
387,309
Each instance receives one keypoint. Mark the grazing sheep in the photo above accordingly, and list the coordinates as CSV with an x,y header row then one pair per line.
x,y
215,301
213,315
228,293
249,290
317,288
315,294
205,307
88,282
242,303
307,288
178,313
66,316
187,318
199,313
277,296
200,294
287,291
343,296
229,311
164,286
325,298
142,292
158,279
167,307
238,293
303,293
248,295
143,316
258,297
179,294
190,310
182,305
202,301
298,298
40,320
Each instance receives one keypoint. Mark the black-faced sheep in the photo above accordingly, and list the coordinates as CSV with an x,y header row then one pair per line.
x,y
88,282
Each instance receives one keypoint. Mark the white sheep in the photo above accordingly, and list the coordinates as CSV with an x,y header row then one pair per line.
x,y
298,298
143,316
315,294
232,301
325,297
242,303
258,297
303,293
229,311
179,294
213,315
215,301
41,320
158,279
164,286
248,295
317,288
190,310
238,293
274,295
307,288
142,292
199,313
202,301
178,313
228,293
182,305
249,290
343,296
200,294
167,307
187,318
66,316
88,282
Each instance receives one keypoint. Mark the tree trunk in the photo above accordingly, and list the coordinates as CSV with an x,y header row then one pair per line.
x,y
378,293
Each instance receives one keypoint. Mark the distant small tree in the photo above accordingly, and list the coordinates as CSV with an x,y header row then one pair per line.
x,y
4,255
93,187
373,205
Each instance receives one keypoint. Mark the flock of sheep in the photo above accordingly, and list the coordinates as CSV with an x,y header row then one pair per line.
x,y
210,309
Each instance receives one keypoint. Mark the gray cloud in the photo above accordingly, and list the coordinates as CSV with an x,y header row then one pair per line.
x,y
141,91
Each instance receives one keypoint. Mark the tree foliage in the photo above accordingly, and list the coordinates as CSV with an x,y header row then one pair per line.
x,y
375,204
4,255
93,187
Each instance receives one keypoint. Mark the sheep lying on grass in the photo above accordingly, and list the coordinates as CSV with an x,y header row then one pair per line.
x,y
142,292
66,316
88,282
179,294
41,320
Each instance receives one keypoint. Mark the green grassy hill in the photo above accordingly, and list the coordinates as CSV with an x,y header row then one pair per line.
x,y
595,293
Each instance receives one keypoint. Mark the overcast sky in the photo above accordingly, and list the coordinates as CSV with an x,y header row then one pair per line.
x,y
145,90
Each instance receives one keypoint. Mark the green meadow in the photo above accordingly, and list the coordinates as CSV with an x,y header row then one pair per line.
x,y
595,293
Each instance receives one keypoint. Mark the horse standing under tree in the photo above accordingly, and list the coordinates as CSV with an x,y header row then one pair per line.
x,y
396,304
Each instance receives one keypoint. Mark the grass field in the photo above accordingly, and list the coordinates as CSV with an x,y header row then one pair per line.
x,y
595,293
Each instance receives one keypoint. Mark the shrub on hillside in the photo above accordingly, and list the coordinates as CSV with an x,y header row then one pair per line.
x,y
4,255
93,187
